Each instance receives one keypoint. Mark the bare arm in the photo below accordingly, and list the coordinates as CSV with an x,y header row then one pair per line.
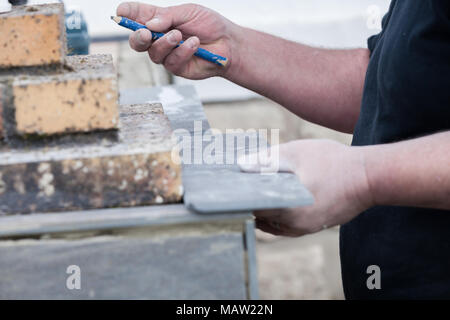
x,y
411,173
349,180
320,85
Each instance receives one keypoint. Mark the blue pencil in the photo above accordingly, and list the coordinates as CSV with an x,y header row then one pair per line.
x,y
201,53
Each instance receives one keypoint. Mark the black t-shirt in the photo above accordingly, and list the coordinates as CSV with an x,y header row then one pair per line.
x,y
406,95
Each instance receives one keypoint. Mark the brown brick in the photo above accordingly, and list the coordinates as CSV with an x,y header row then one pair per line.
x,y
82,98
32,36
136,171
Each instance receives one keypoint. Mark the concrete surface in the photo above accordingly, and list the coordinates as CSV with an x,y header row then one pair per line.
x,y
303,268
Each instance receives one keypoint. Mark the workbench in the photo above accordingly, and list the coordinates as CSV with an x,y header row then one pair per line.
x,y
161,252
157,252
201,249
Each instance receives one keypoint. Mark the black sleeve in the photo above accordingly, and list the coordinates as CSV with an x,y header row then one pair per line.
x,y
372,41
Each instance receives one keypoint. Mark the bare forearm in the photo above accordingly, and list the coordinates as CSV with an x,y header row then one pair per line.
x,y
320,85
414,173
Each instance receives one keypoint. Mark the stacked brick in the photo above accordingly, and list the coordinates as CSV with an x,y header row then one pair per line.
x,y
32,36
66,144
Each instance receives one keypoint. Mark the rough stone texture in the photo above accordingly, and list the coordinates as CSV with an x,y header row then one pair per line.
x,y
32,36
82,97
137,170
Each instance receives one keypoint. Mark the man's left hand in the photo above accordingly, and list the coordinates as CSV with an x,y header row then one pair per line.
x,y
334,173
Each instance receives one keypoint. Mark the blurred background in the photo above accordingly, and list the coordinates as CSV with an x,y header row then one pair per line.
x,y
306,268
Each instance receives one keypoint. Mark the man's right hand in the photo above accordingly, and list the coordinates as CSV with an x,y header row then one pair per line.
x,y
320,85
195,24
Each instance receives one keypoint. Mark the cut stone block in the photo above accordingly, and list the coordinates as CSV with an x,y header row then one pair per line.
x,y
32,36
82,97
137,170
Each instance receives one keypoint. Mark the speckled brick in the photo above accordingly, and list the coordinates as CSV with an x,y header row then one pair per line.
x,y
81,97
32,36
137,170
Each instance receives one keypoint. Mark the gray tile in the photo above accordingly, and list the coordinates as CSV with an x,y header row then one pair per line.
x,y
184,267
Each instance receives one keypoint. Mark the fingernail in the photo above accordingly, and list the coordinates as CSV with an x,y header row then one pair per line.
x,y
262,163
249,163
191,43
172,38
139,37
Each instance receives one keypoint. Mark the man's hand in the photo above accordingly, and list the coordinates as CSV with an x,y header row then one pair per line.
x,y
194,24
320,85
334,173
345,181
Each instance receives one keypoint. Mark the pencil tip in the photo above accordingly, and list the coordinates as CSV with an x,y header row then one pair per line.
x,y
116,19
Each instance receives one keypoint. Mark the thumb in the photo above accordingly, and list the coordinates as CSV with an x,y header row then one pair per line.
x,y
269,160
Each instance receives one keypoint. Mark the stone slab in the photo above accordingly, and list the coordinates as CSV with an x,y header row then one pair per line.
x,y
203,267
103,220
137,170
181,104
217,179
214,186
